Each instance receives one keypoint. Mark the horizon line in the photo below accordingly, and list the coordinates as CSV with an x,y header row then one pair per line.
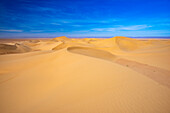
x,y
162,37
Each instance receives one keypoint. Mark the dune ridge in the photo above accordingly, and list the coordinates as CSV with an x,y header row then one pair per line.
x,y
162,76
92,52
126,44
17,48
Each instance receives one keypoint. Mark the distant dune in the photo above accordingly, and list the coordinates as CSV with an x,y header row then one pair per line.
x,y
90,75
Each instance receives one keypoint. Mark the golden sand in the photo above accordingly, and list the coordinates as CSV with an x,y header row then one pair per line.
x,y
62,75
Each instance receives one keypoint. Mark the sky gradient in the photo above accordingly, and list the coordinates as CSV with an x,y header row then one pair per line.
x,y
84,18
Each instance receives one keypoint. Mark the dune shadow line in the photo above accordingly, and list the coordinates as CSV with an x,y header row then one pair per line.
x,y
157,74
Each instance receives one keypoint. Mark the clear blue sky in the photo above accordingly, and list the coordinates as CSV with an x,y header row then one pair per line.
x,y
84,18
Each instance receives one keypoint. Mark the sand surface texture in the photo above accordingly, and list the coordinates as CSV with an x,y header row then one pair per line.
x,y
90,75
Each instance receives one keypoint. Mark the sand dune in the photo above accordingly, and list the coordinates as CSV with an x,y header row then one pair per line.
x,y
17,48
62,75
92,52
62,38
60,46
126,44
155,73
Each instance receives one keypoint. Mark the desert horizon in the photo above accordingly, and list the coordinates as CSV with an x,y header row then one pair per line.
x,y
92,75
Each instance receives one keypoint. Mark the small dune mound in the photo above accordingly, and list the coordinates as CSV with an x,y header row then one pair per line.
x,y
90,39
11,49
126,44
7,49
22,48
62,38
31,43
60,46
34,41
92,52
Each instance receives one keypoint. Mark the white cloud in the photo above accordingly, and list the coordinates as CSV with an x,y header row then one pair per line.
x,y
11,30
119,28
36,30
56,23
76,25
134,27
65,22
99,29
82,31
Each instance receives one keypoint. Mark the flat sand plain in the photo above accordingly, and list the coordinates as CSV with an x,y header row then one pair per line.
x,y
90,75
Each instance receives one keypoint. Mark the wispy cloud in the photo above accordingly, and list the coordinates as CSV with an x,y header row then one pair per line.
x,y
36,30
104,29
56,23
11,30
84,21
76,25
165,24
134,27
118,28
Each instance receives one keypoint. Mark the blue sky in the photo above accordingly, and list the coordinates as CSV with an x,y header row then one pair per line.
x,y
84,18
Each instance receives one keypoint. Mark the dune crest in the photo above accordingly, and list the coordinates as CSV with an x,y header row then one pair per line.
x,y
62,38
92,52
60,46
126,44
161,76
17,48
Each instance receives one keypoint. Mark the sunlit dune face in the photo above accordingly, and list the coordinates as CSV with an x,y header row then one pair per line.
x,y
126,44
